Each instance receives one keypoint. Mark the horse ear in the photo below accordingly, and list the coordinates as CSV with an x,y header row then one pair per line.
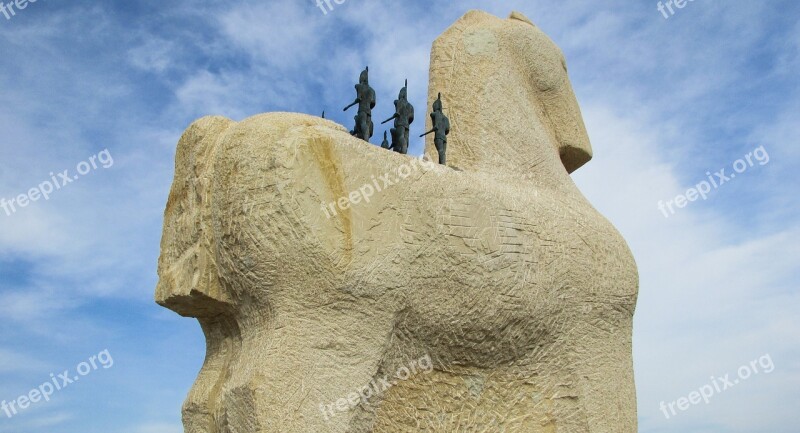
x,y
519,16
475,16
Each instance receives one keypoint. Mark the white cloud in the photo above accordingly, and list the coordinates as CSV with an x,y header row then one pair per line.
x,y
42,422
154,55
158,428
11,361
281,33
709,300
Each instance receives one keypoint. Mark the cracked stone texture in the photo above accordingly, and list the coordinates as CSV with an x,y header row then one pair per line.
x,y
498,268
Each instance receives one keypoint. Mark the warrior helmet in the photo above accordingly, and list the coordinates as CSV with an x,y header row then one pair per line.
x,y
404,92
437,104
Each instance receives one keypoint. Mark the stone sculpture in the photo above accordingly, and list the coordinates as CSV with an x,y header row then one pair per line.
x,y
365,99
441,126
403,118
491,299
385,143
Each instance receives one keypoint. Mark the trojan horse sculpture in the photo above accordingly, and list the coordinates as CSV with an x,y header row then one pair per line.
x,y
501,273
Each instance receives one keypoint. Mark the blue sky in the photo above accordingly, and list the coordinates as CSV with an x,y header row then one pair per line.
x,y
664,100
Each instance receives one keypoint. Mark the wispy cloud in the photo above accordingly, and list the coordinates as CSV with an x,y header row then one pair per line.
x,y
158,428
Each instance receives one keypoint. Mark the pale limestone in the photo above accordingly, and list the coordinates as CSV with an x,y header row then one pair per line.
x,y
497,268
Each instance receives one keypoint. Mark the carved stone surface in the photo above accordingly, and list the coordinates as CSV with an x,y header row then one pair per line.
x,y
500,277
